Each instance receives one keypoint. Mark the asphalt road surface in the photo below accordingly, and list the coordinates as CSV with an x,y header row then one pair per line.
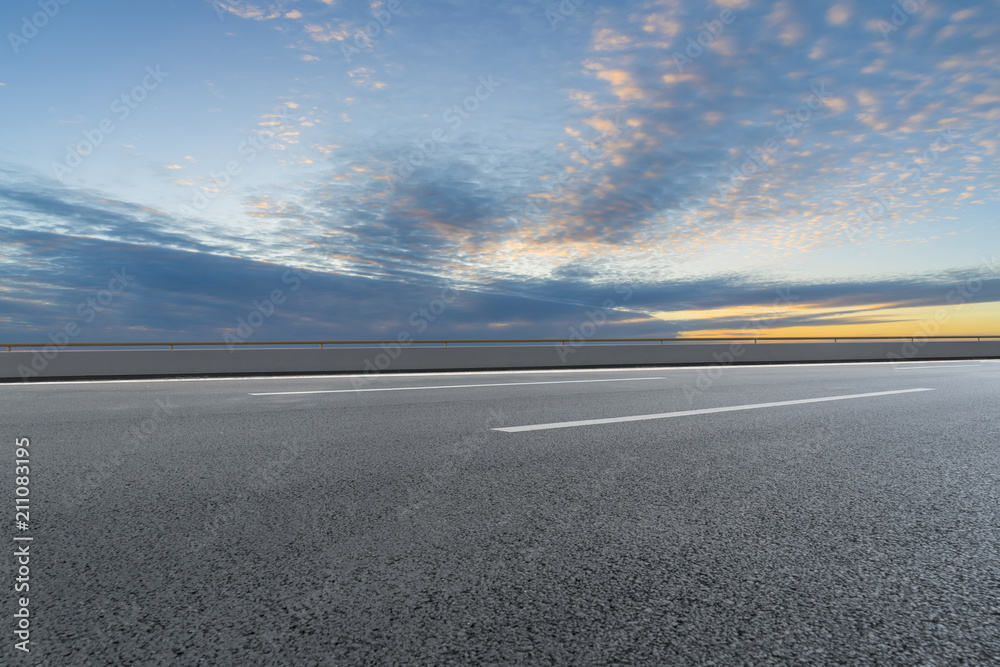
x,y
340,521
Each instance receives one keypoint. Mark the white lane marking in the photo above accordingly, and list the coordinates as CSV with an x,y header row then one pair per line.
x,y
917,368
706,411
447,386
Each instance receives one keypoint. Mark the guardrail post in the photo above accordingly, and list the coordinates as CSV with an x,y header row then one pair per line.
x,y
171,347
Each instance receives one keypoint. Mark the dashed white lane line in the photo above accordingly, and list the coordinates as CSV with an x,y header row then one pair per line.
x,y
449,386
706,411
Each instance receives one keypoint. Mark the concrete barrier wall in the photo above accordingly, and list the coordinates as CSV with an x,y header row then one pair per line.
x,y
69,363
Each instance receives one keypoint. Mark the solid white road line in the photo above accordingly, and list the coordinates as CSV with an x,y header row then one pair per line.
x,y
943,366
449,386
706,411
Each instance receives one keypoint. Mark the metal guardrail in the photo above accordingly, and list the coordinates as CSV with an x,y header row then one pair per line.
x,y
561,341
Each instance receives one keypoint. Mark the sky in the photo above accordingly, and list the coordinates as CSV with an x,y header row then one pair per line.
x,y
455,169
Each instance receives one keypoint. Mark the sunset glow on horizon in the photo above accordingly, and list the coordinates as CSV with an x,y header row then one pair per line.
x,y
692,169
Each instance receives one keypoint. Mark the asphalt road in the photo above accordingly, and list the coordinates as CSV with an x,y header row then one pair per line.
x,y
227,522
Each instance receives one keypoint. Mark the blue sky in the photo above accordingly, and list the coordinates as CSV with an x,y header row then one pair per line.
x,y
687,168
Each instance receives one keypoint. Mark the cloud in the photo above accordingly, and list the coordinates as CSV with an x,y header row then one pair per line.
x,y
363,78
839,14
647,145
248,11
57,209
182,295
